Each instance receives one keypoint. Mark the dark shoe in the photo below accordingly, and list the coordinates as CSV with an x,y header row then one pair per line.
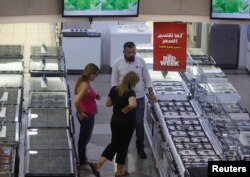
x,y
94,170
142,154
126,173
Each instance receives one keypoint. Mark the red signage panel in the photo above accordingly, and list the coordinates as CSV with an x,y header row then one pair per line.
x,y
170,46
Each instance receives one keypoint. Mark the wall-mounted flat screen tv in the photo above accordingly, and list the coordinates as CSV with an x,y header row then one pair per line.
x,y
230,9
102,8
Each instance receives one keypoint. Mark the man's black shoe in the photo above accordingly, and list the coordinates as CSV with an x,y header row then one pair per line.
x,y
142,154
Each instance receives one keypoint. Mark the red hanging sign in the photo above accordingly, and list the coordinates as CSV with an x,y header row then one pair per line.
x,y
170,46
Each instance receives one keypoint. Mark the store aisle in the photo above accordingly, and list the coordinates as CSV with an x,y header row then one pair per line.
x,y
101,136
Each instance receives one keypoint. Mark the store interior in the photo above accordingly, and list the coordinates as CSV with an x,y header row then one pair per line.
x,y
42,54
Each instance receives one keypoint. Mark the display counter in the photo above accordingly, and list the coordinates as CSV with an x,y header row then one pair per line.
x,y
196,119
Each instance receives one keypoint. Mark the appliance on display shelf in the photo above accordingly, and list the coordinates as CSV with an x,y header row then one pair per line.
x,y
49,162
80,33
46,51
205,74
199,57
48,118
170,90
11,66
99,8
47,66
9,133
228,136
10,113
212,74
8,161
48,84
178,108
236,111
234,9
48,100
11,51
81,46
48,138
10,96
224,92
11,80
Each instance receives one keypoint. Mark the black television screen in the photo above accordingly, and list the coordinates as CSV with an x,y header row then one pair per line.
x,y
230,9
103,8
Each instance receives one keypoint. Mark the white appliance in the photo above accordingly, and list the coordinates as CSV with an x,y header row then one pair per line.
x,y
81,50
119,34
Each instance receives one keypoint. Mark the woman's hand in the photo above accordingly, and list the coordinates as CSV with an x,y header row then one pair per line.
x,y
125,110
98,97
81,115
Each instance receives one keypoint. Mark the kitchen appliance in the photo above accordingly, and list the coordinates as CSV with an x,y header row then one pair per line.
x,y
11,66
170,90
49,163
11,51
7,161
199,57
11,80
48,84
38,52
46,66
48,118
224,92
11,113
10,96
212,74
48,100
236,111
9,133
48,138
178,108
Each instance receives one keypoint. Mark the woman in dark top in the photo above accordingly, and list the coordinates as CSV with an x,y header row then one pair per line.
x,y
123,100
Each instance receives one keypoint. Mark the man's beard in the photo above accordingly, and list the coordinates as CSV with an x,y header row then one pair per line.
x,y
131,59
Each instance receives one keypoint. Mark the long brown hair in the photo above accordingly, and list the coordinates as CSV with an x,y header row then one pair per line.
x,y
89,69
129,81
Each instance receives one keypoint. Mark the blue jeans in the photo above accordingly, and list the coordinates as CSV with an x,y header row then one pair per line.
x,y
86,129
139,124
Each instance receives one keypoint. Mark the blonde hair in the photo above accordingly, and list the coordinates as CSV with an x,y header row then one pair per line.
x,y
89,69
129,81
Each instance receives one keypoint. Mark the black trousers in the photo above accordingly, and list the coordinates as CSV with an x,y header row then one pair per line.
x,y
122,128
86,129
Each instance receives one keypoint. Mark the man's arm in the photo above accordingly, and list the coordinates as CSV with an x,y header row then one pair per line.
x,y
148,83
146,77
115,75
